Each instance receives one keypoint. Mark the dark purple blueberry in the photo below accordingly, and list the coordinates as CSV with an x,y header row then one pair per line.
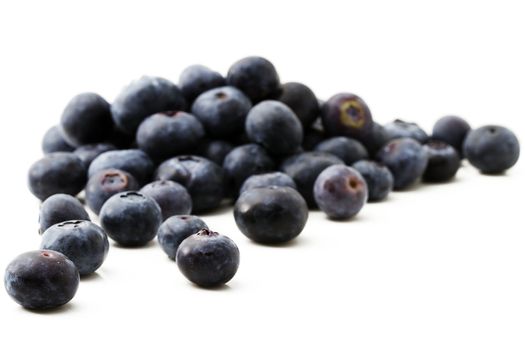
x,y
345,148
142,98
375,139
304,168
302,101
406,159
203,179
275,126
104,184
133,161
196,79
443,161
165,135
222,111
340,192
131,218
492,149
312,137
379,179
256,77
214,150
346,114
41,279
54,141
87,153
83,242
452,130
244,161
400,128
58,208
172,198
86,119
275,178
57,172
208,259
271,215
175,230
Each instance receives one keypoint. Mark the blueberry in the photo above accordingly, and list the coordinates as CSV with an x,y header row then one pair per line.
x,y
203,179
304,169
346,114
175,230
302,101
41,279
345,148
104,184
54,141
57,172
83,242
208,259
196,79
271,215
87,153
452,130
400,128
58,208
244,161
275,178
256,77
133,161
172,198
131,218
275,126
492,149
222,111
214,150
443,161
86,119
406,159
375,139
142,98
340,192
312,137
167,134
379,179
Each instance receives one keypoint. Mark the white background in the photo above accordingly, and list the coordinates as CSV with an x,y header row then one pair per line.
x,y
435,267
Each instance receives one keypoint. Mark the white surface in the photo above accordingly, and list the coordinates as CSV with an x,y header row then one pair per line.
x,y
440,267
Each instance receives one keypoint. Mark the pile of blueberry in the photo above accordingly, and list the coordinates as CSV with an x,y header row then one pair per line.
x,y
161,154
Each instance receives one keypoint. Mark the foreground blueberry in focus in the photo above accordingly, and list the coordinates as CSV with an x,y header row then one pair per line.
x,y
196,79
452,130
54,141
87,153
104,184
222,111
340,192
167,134
256,77
86,119
208,259
302,101
304,168
57,172
41,279
345,148
172,198
130,218
346,114
83,242
175,230
271,215
203,179
379,179
133,161
492,149
142,98
58,208
406,159
443,161
400,128
275,178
